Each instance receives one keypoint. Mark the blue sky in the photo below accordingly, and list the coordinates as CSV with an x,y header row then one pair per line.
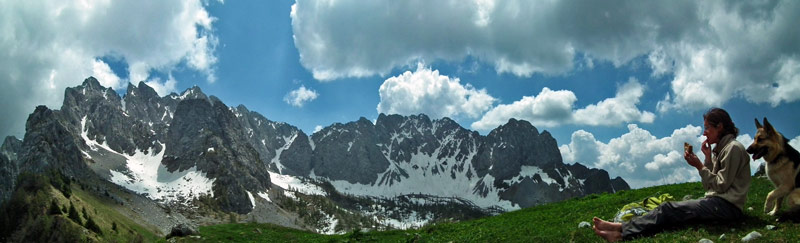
x,y
620,84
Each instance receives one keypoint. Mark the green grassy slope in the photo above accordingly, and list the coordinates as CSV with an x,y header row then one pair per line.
x,y
556,222
39,211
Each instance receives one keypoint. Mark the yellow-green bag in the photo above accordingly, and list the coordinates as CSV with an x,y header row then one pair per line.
x,y
640,208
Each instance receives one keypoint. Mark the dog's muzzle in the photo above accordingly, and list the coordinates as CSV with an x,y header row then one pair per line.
x,y
757,152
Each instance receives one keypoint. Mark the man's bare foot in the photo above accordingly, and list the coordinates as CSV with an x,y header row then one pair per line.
x,y
606,226
610,236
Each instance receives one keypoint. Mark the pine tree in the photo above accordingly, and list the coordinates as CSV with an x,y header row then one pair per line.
x,y
85,215
91,225
54,208
73,214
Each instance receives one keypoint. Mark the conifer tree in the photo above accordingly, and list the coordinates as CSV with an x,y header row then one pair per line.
x,y
85,215
54,208
91,225
73,214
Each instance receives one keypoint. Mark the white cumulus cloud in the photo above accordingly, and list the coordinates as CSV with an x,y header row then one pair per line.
x,y
554,108
162,88
49,45
549,108
616,110
300,96
637,156
713,50
426,91
102,72
748,49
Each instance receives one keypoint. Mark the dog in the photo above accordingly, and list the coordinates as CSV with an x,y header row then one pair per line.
x,y
783,165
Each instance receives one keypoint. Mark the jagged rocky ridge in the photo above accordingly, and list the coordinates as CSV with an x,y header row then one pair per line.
x,y
178,147
513,166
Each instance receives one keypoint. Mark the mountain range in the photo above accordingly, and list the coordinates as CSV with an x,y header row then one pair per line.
x,y
192,151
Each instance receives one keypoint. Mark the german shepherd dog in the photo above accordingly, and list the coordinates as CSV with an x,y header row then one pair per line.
x,y
783,165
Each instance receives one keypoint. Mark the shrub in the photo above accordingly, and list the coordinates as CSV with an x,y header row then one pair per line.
x,y
232,217
31,183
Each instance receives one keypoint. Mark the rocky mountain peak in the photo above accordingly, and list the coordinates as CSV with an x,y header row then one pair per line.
x,y
388,120
49,144
242,109
193,93
92,83
597,180
364,120
142,91
143,102
39,115
514,126
447,122
89,98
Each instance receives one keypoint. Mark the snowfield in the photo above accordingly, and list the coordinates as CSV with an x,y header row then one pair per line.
x,y
422,180
146,175
292,183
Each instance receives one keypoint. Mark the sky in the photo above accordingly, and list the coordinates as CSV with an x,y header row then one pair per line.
x,y
620,85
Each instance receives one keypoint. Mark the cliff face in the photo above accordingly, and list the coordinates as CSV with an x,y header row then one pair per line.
x,y
206,135
9,168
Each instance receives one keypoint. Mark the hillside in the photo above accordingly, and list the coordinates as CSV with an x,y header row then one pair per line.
x,y
51,207
555,222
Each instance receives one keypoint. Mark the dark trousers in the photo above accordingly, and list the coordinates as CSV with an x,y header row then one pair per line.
x,y
676,213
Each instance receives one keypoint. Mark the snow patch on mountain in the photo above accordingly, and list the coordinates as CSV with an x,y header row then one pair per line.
x,y
424,171
252,199
530,171
186,94
329,223
264,195
527,171
146,175
411,220
292,183
287,143
93,145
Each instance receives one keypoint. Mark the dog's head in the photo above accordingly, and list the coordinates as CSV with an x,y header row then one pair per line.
x,y
767,143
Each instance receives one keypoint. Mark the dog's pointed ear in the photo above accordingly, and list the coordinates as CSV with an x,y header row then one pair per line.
x,y
758,125
768,126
